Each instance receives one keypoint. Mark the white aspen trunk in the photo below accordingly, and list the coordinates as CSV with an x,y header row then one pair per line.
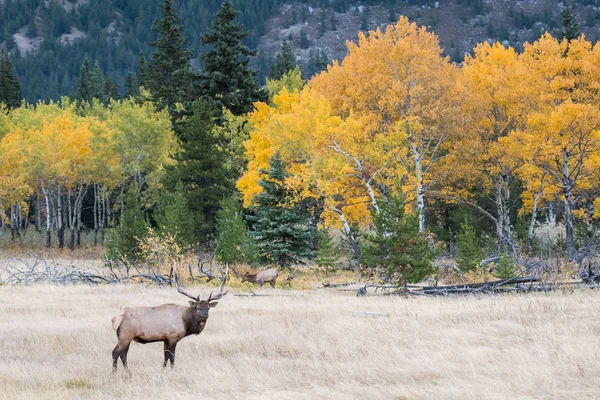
x,y
506,214
418,158
348,233
371,195
71,220
534,210
78,207
59,218
551,216
499,220
48,216
567,192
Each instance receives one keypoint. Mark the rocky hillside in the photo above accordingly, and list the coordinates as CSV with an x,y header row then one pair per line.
x,y
49,39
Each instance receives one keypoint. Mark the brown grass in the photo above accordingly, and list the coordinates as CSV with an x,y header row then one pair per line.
x,y
56,343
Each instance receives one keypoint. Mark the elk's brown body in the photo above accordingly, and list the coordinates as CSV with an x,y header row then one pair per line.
x,y
168,323
261,277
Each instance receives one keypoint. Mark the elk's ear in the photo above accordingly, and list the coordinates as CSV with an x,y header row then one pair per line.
x,y
213,304
193,304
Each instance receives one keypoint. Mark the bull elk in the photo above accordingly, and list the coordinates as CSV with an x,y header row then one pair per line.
x,y
261,277
168,323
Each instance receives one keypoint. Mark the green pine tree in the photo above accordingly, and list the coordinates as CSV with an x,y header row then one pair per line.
x,y
397,248
235,245
110,91
227,80
505,269
469,252
122,240
570,27
201,167
284,62
169,74
281,231
90,84
131,87
304,41
10,88
142,71
328,256
175,217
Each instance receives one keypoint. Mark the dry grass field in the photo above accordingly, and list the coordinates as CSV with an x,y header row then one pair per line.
x,y
56,343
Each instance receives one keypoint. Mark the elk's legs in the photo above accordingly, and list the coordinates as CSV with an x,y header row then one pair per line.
x,y
120,350
115,354
169,353
272,283
124,356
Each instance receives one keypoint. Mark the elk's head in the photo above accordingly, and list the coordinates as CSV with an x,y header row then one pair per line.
x,y
246,277
201,307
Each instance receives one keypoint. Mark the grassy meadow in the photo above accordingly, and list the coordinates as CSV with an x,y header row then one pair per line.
x,y
305,344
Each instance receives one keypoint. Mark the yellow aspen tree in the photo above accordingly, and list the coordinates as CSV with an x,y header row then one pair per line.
x,y
401,82
498,101
563,132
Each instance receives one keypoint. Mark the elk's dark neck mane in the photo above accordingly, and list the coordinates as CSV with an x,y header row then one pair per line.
x,y
191,321
253,276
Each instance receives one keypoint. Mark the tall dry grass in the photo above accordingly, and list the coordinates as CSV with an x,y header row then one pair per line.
x,y
56,343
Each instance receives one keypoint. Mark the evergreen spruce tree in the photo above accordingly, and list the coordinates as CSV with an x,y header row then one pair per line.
x,y
142,71
469,252
169,72
397,248
131,87
91,83
235,245
328,256
227,80
570,27
123,239
201,167
281,231
304,42
284,61
175,217
505,269
110,91
10,88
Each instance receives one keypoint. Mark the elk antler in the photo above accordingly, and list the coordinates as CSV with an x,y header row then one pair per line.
x,y
183,292
220,294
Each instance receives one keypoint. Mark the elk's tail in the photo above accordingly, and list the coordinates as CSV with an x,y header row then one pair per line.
x,y
116,320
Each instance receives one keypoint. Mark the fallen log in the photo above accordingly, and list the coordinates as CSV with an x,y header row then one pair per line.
x,y
331,285
498,283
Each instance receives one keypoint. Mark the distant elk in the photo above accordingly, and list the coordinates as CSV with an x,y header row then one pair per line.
x,y
262,277
168,323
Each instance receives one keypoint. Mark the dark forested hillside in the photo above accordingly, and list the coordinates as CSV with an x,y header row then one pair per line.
x,y
49,39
